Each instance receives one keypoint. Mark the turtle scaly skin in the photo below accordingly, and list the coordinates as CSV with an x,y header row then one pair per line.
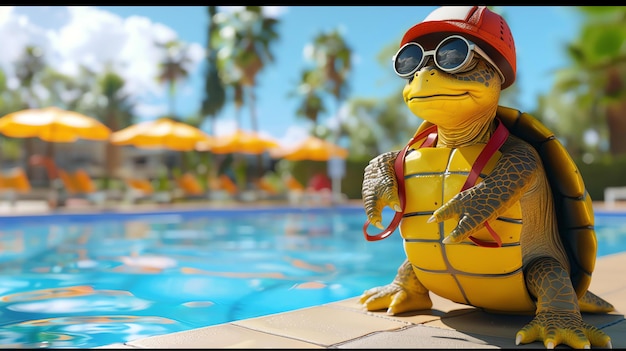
x,y
544,264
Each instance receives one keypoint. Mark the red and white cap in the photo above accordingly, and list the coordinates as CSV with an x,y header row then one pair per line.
x,y
480,25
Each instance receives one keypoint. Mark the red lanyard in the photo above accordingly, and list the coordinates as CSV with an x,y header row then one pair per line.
x,y
494,143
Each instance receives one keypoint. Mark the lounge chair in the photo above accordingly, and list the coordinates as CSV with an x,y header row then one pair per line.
x,y
317,191
14,182
222,188
268,190
189,186
295,190
138,189
79,186
70,185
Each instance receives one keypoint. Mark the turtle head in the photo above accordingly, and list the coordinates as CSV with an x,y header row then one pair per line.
x,y
456,62
454,100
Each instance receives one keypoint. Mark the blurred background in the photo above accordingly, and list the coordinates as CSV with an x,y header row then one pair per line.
x,y
287,73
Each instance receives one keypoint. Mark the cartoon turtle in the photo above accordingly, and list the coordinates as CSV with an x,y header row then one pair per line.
x,y
492,209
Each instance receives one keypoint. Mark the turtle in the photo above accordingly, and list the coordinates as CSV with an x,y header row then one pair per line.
x,y
492,209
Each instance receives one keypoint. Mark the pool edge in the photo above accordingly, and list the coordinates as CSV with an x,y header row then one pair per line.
x,y
343,324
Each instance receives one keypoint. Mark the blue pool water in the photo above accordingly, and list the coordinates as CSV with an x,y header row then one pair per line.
x,y
81,281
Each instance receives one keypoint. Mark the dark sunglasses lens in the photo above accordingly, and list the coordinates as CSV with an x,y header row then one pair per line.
x,y
452,53
408,59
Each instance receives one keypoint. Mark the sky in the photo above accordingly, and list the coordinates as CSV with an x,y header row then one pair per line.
x,y
124,35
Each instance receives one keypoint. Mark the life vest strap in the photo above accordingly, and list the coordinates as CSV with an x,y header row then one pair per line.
x,y
495,142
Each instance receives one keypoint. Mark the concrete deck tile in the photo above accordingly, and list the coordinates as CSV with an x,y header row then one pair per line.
x,y
115,346
321,325
420,336
617,332
220,336
609,280
441,306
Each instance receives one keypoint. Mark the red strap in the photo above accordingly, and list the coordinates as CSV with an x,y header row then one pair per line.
x,y
497,139
431,132
494,143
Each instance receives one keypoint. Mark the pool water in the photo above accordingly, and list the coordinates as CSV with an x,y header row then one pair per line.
x,y
81,281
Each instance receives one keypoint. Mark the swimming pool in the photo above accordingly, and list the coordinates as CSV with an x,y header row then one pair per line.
x,y
88,280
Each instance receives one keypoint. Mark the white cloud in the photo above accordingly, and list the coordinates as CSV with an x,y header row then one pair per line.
x,y
73,35
225,127
274,11
268,11
294,136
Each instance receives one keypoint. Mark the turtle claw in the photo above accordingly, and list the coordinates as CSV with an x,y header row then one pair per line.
x,y
380,187
558,328
448,240
395,299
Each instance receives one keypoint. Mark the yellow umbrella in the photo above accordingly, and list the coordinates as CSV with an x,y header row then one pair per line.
x,y
53,124
312,148
239,142
163,133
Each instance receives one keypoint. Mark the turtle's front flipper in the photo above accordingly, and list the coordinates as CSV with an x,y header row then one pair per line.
x,y
514,176
557,319
405,293
380,187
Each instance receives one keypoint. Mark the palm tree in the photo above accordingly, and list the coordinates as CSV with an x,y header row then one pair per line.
x,y
9,102
246,52
312,102
333,57
255,37
173,68
28,69
214,90
117,115
246,39
73,93
591,93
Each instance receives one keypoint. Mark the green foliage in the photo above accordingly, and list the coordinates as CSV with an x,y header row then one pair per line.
x,y
240,171
351,183
173,68
11,149
214,87
163,181
309,90
589,94
328,76
609,171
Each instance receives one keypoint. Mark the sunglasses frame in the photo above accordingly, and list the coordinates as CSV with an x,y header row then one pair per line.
x,y
472,48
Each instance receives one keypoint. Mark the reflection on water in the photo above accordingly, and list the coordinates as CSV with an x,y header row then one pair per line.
x,y
87,281
72,281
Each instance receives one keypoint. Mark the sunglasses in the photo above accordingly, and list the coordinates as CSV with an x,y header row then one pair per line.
x,y
453,54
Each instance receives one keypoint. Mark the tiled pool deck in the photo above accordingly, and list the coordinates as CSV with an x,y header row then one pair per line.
x,y
343,324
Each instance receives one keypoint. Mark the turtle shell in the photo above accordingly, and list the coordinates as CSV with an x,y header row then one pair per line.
x,y
573,205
